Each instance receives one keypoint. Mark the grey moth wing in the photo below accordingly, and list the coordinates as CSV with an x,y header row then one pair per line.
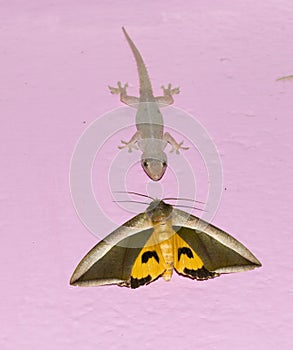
x,y
111,260
219,251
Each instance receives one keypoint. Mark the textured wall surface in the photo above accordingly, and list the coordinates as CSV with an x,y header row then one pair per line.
x,y
57,58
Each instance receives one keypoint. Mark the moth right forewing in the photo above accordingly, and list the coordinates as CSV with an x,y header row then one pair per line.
x,y
185,220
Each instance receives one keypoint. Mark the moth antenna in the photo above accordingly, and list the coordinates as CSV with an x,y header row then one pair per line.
x,y
189,207
182,199
136,193
131,202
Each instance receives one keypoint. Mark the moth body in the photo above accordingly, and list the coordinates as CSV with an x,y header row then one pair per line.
x,y
164,236
168,255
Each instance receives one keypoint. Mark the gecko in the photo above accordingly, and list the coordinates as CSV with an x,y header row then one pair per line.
x,y
149,137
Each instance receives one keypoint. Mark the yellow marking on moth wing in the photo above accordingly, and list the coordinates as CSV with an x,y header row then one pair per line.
x,y
185,258
148,265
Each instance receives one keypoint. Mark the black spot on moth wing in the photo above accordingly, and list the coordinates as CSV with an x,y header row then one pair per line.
x,y
186,251
148,255
137,282
200,274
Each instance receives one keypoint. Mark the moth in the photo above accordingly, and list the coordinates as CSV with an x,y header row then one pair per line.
x,y
155,243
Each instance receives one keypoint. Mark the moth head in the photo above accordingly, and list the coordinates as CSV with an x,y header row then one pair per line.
x,y
158,211
154,167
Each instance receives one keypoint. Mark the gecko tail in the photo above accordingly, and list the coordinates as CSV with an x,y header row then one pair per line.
x,y
144,79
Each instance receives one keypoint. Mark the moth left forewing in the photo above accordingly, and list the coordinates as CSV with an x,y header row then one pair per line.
x,y
219,252
112,259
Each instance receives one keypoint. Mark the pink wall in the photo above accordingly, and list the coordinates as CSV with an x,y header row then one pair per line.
x,y
57,59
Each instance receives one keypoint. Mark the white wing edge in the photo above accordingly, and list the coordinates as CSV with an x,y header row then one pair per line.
x,y
232,269
183,219
131,227
95,283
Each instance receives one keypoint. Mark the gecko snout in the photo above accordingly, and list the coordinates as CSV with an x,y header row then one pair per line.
x,y
154,168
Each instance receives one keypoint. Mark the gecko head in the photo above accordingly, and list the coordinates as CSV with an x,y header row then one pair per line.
x,y
154,167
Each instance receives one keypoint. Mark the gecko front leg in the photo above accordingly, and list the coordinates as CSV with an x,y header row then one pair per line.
x,y
132,143
175,146
131,101
167,99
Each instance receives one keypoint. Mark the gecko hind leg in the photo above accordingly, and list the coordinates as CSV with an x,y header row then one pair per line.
x,y
167,99
131,101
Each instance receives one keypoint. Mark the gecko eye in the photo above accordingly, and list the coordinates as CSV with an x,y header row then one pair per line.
x,y
145,164
164,164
